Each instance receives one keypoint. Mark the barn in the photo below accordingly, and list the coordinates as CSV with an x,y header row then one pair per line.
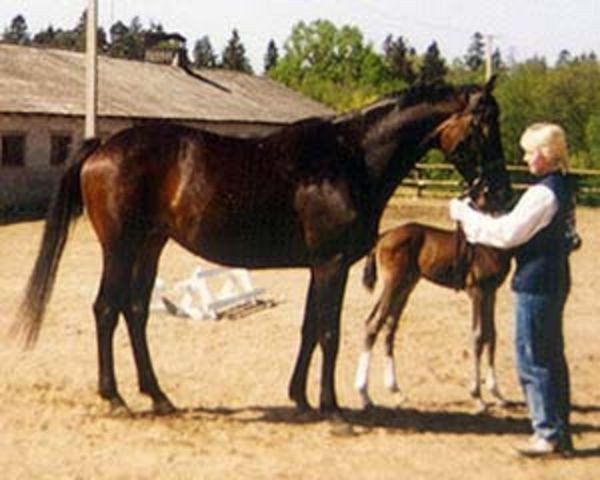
x,y
42,108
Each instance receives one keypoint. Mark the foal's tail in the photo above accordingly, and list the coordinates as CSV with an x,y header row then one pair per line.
x,y
66,205
369,277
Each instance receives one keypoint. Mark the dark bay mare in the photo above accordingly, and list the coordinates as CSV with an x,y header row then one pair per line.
x,y
405,254
309,195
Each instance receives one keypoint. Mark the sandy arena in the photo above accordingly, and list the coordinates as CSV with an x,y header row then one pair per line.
x,y
230,379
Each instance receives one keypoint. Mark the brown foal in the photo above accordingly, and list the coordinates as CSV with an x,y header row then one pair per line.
x,y
409,252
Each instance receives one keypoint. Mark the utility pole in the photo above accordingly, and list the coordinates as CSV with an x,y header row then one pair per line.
x,y
488,56
91,70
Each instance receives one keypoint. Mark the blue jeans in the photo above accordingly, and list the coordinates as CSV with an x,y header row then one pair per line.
x,y
541,363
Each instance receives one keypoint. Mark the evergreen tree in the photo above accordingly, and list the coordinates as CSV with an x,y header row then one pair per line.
x,y
272,56
127,41
18,32
497,61
564,58
204,55
46,37
475,57
434,68
400,58
234,55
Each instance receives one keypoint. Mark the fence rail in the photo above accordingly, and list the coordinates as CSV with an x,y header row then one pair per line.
x,y
441,178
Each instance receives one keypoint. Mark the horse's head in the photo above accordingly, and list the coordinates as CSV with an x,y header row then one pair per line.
x,y
470,139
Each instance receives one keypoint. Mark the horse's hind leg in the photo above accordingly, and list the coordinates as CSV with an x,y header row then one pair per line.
x,y
136,311
109,301
331,281
297,388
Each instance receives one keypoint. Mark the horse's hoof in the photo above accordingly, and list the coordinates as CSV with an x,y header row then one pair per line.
x,y
118,408
331,412
301,403
368,406
163,407
481,407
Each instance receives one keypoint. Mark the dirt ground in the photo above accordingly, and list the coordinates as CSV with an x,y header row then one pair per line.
x,y
230,378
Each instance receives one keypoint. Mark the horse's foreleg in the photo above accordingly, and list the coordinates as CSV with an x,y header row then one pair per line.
x,y
361,379
297,388
136,315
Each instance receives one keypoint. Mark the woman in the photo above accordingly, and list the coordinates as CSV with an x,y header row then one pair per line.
x,y
537,229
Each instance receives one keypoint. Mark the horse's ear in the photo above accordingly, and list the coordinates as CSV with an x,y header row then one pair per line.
x,y
490,84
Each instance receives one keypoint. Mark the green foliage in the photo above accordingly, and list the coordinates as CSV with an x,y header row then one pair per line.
x,y
475,57
567,94
18,32
234,55
204,55
400,58
433,69
272,56
127,41
333,65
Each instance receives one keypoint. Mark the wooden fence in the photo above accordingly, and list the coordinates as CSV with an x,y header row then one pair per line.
x,y
441,179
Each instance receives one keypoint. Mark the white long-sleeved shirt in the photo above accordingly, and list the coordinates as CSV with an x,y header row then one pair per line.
x,y
534,211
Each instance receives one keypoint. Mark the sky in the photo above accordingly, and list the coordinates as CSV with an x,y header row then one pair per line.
x,y
521,29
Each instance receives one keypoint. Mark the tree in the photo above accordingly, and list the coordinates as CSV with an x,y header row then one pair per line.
x,y
234,55
434,68
475,57
592,133
46,37
272,56
127,41
497,61
333,65
564,58
17,32
400,58
204,55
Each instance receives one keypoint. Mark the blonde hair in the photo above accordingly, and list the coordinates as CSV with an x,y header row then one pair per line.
x,y
551,140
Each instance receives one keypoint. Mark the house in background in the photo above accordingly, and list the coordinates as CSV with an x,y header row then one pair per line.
x,y
42,108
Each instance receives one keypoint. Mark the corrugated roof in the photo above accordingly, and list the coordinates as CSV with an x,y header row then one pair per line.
x,y
48,81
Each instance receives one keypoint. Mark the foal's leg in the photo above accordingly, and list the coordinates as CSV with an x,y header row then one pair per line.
x,y
397,305
111,296
136,313
489,333
478,339
361,379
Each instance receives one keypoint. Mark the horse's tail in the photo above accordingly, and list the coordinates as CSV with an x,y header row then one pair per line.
x,y
66,205
369,277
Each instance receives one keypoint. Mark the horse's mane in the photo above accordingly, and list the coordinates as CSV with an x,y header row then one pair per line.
x,y
413,95
432,92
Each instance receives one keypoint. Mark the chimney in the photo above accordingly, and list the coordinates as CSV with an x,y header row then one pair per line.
x,y
165,48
